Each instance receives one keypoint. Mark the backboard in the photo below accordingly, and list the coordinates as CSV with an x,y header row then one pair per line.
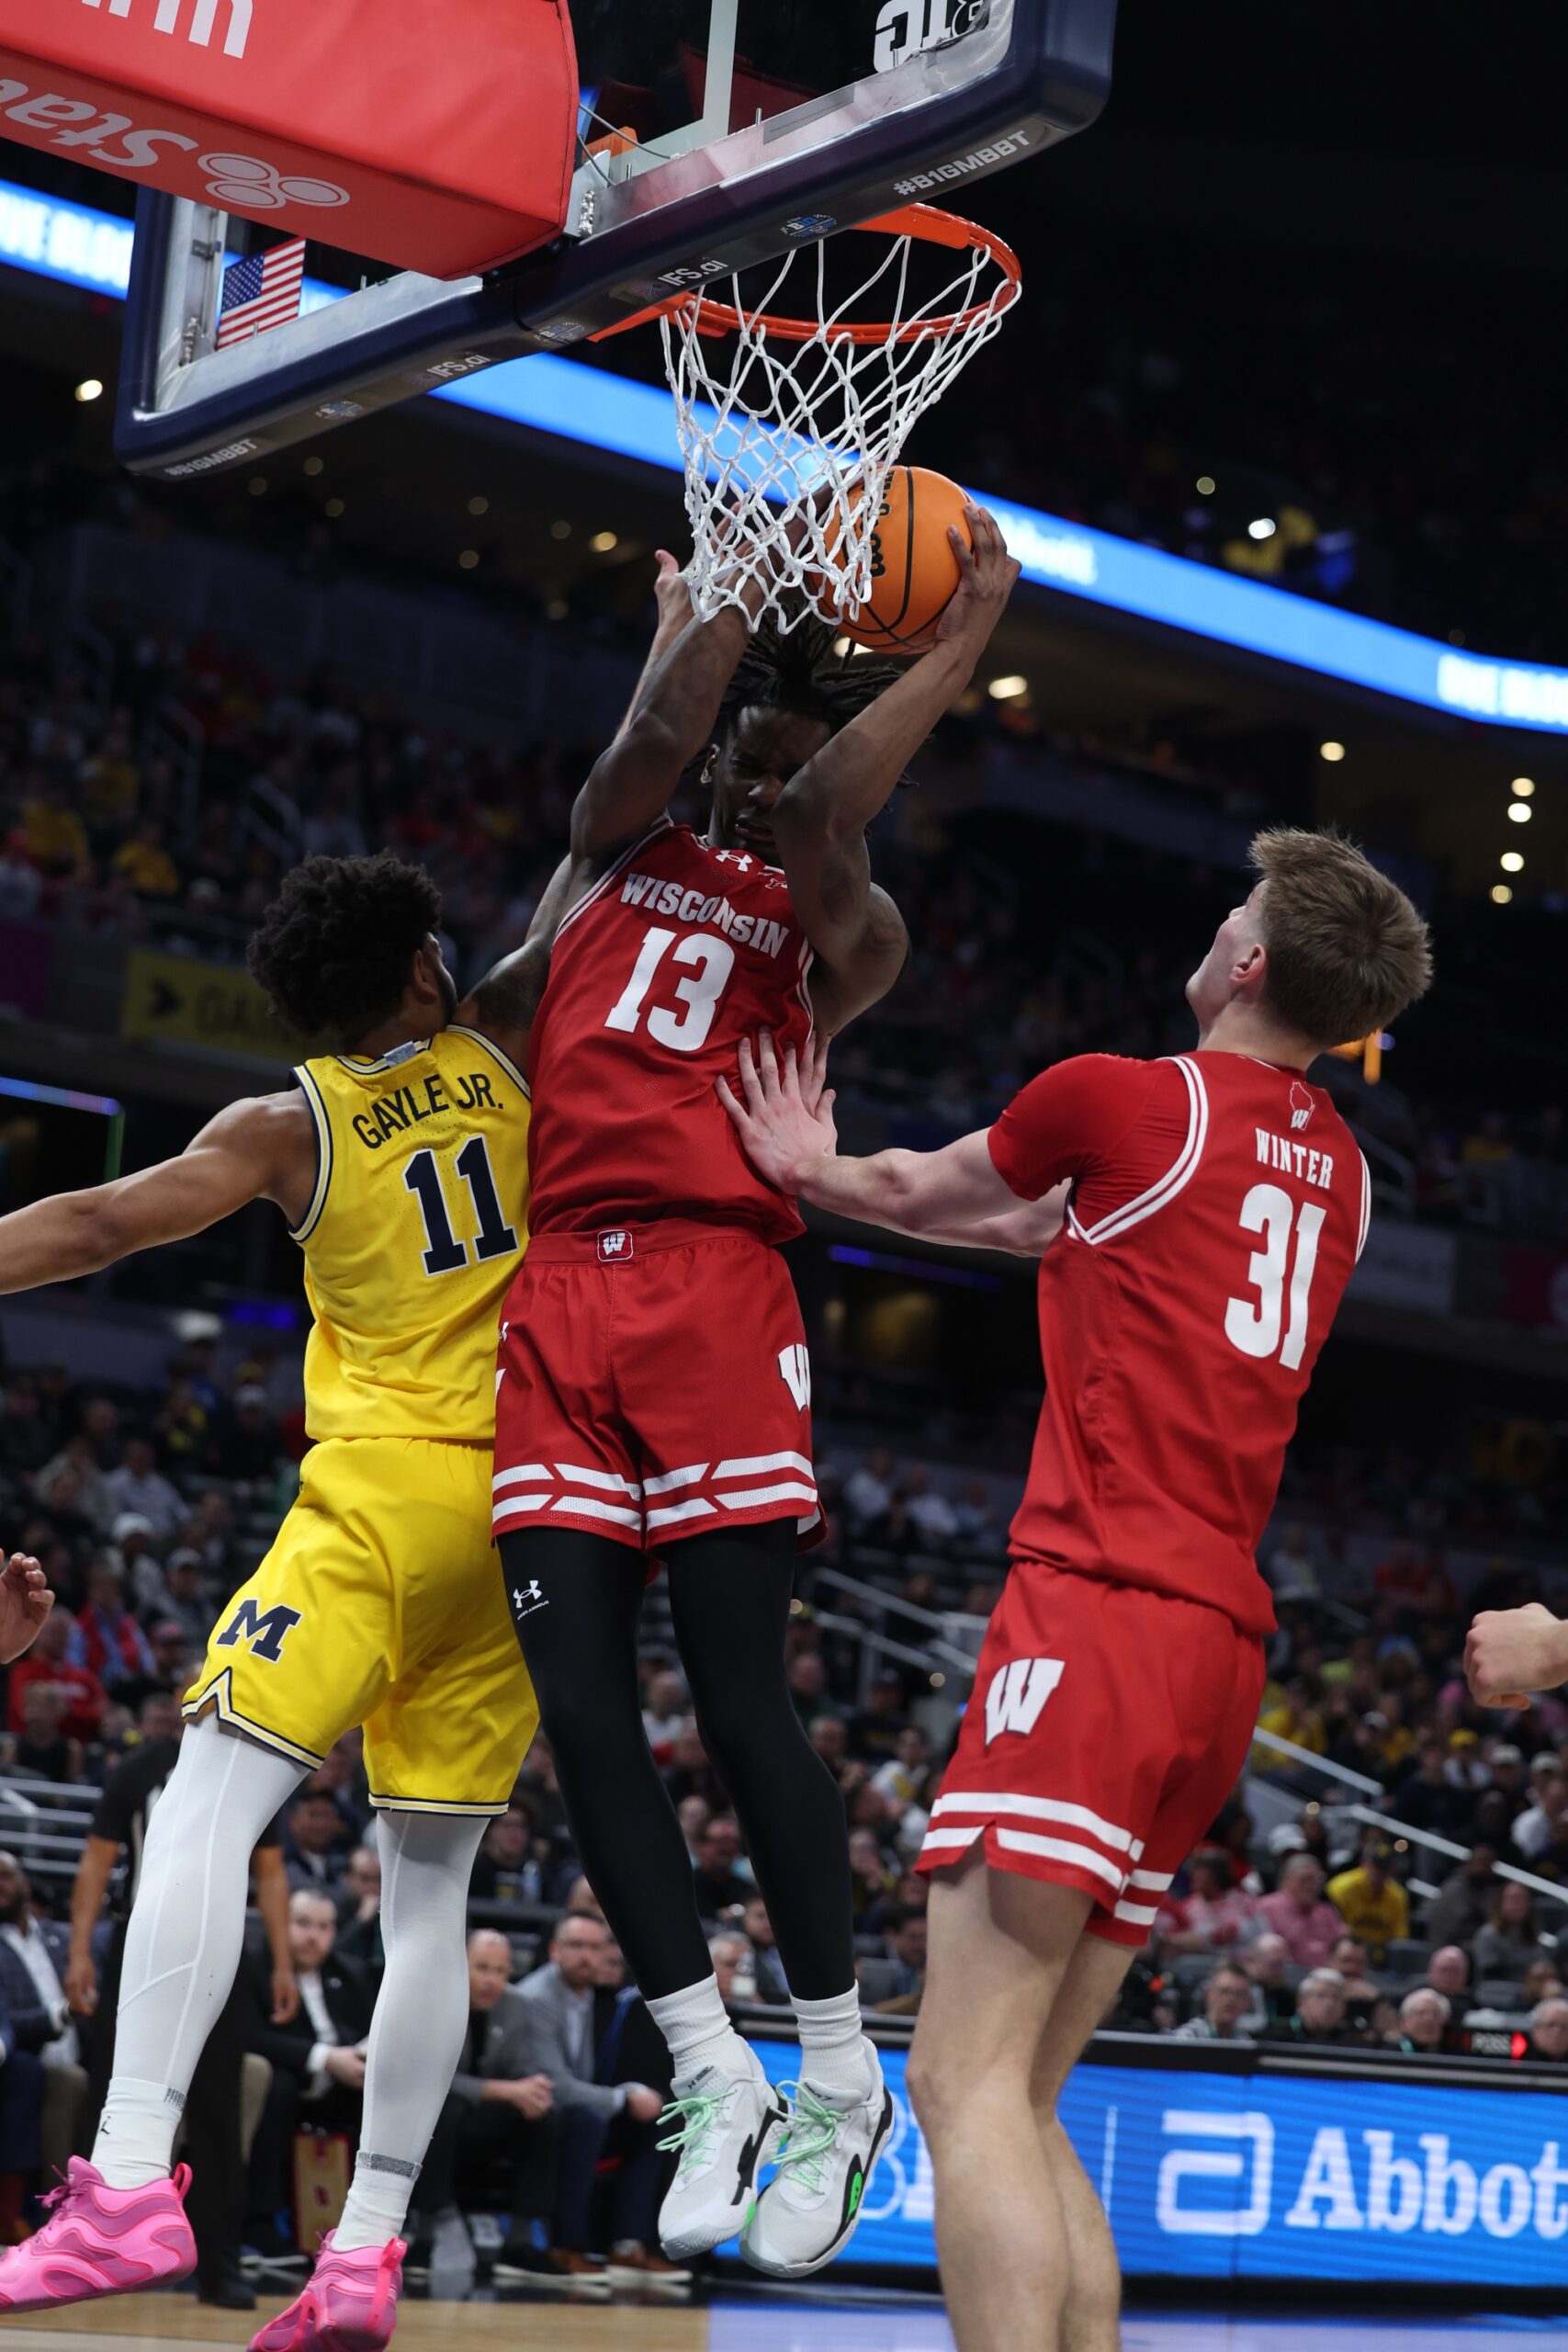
x,y
714,134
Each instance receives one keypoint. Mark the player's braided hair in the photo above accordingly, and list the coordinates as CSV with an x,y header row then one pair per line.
x,y
336,946
803,671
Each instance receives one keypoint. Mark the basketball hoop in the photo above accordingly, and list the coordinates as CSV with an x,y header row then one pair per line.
x,y
790,424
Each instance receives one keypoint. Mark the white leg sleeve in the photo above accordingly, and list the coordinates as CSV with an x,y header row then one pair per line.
x,y
422,2014
182,1946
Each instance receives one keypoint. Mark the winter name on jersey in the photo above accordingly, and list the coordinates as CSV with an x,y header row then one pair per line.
x,y
659,897
1295,1159
406,1107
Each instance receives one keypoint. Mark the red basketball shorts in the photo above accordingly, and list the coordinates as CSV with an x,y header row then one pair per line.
x,y
1107,1729
653,1385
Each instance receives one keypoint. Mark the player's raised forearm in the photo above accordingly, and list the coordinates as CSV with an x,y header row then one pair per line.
x,y
54,1241
840,791
632,782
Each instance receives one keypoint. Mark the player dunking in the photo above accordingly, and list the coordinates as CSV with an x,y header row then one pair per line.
x,y
400,1163
1216,1205
655,1387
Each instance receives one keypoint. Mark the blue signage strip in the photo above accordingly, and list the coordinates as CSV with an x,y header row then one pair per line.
x,y
552,394
1211,2175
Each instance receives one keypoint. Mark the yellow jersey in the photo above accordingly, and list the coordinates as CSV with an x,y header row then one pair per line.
x,y
416,1229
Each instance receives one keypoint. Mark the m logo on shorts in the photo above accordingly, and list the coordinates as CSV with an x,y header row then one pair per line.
x,y
264,1630
795,1371
1017,1694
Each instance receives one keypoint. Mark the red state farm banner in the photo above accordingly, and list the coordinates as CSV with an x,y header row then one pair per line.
x,y
435,134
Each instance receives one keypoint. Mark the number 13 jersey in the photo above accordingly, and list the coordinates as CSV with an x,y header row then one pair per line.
x,y
416,1229
678,952
1218,1207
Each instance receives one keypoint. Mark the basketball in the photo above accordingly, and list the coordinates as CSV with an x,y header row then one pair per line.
x,y
914,570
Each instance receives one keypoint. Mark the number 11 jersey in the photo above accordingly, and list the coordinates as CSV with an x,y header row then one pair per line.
x,y
1218,1207
678,952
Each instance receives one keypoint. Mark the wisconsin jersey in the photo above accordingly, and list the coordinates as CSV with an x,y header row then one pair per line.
x,y
1217,1210
679,952
416,1229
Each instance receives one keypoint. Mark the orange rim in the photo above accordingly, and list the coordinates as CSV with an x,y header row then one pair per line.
x,y
926,223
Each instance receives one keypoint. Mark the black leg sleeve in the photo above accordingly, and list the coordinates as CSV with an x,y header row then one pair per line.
x,y
729,1595
575,1601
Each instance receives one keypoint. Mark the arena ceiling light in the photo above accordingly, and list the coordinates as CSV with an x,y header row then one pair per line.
x,y
1205,485
1008,689
604,542
1520,812
1511,861
1501,894
1263,528
1522,787
1332,753
89,388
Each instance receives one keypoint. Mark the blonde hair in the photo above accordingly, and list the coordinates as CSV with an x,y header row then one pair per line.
x,y
1347,950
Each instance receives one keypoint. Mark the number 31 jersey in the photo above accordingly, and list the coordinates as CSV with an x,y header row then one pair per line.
x,y
1217,1210
407,1247
678,952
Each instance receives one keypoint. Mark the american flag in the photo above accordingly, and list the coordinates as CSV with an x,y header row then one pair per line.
x,y
261,292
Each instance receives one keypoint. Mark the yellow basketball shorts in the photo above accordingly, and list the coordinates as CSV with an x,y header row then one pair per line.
x,y
381,1603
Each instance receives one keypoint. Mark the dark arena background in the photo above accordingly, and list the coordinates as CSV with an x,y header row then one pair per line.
x,y
1276,431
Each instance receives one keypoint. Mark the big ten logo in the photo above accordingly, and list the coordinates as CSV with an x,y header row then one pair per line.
x,y
1238,2160
904,28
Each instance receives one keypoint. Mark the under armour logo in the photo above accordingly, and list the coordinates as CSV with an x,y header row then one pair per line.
x,y
616,1245
795,1371
1017,1694
521,1599
1302,1106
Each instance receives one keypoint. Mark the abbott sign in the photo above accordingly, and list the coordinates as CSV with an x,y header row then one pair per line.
x,y
1206,2174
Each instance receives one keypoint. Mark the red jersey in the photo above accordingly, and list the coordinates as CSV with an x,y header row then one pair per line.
x,y
678,952
1218,1207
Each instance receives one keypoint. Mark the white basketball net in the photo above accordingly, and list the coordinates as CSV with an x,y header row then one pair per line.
x,y
776,432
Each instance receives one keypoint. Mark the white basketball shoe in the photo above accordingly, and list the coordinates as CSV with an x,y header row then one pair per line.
x,y
807,2213
725,2127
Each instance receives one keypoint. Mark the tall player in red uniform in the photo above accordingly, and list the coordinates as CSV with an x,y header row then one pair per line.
x,y
655,1387
1217,1203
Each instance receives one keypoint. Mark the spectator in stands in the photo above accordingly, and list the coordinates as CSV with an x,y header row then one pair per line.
x,y
1320,2013
1547,2030
1371,1900
807,1679
730,1954
1349,1957
1426,2024
186,1602
978,1528
113,1644
694,1814
900,1780
1227,1996
829,1736
317,2058
874,1728
718,1881
871,1880
48,1662
35,1958
1537,1826
316,1842
935,1520
21,2124
666,1705
559,2000
247,1443
141,1486
1273,1996
359,1915
505,1870
1297,1912
71,1480
1509,1943
1541,1982
905,1936
772,1986
1294,1716
1463,1901
1447,1973
501,2107
1291,1567
868,1491
1506,1768
1213,1914
25,1442
41,1745
1428,1799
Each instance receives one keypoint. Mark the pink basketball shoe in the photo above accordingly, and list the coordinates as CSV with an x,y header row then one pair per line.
x,y
350,2306
100,2241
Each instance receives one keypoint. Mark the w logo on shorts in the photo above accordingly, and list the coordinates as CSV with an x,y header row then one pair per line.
x,y
264,1631
1018,1693
795,1371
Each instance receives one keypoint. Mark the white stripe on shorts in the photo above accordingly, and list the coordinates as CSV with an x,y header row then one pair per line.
x,y
671,1512
532,1474
751,1465
1071,1816
1060,1849
1137,1915
587,1507
686,1477
1156,1882
607,1479
748,1498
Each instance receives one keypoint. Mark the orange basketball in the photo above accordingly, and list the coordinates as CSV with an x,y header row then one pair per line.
x,y
914,570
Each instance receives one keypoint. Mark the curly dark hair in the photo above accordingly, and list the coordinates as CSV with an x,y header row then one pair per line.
x,y
335,947
803,671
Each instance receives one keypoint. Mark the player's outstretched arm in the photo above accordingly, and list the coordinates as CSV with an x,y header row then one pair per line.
x,y
672,597
672,719
819,819
1510,1653
785,1117
263,1148
24,1602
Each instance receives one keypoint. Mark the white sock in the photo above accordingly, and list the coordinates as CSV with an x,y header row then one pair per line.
x,y
834,2055
696,2025
182,1946
422,2014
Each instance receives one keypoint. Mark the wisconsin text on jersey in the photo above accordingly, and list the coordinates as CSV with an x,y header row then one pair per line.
x,y
658,898
406,1106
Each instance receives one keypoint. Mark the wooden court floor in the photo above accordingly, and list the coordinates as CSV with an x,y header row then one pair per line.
x,y
757,2323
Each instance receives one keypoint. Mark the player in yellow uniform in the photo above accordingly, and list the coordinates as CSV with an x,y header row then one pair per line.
x,y
400,1163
